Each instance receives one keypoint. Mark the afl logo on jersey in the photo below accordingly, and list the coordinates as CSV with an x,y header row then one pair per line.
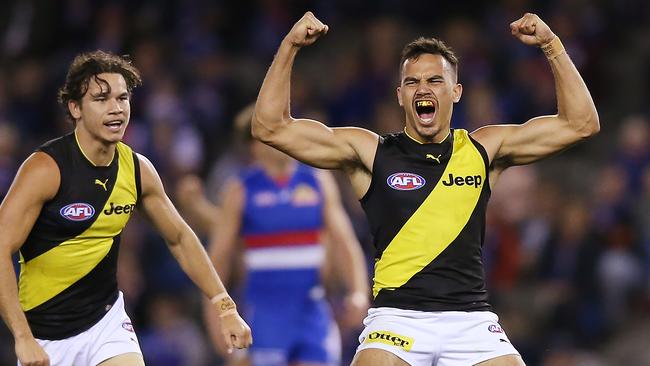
x,y
77,211
405,181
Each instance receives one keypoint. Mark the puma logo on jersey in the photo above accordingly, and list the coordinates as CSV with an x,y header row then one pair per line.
x,y
470,180
436,158
102,184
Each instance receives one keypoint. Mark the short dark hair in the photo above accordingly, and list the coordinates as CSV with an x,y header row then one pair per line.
x,y
433,46
88,65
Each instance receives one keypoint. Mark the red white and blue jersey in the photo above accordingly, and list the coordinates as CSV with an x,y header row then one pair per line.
x,y
281,227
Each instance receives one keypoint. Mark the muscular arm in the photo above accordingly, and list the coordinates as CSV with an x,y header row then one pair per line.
x,y
346,250
576,117
350,149
37,182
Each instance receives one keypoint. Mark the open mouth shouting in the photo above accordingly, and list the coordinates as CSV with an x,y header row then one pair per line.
x,y
426,110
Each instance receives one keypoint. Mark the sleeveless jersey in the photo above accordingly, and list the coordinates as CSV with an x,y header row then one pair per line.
x,y
281,227
69,260
426,207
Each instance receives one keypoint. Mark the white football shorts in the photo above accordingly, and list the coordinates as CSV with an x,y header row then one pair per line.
x,y
446,338
113,335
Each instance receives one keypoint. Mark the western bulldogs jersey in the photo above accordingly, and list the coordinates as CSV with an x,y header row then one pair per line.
x,y
69,260
426,208
281,227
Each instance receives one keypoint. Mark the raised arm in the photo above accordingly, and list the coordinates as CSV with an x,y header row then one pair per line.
x,y
346,252
576,117
189,253
307,140
37,182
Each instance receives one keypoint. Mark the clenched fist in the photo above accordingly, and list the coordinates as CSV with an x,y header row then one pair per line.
x,y
306,31
531,30
236,333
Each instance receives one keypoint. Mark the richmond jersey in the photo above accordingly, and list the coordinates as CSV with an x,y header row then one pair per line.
x,y
69,260
426,208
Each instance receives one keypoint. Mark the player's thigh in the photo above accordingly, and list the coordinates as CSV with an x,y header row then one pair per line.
x,y
126,359
507,360
377,357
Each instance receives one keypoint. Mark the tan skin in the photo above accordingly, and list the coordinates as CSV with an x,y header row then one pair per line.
x,y
225,240
38,180
428,77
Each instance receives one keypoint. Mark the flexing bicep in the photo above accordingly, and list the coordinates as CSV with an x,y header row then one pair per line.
x,y
318,145
36,182
225,236
509,145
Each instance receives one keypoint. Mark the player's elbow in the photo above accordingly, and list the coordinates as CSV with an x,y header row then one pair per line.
x,y
590,126
259,131
584,125
264,128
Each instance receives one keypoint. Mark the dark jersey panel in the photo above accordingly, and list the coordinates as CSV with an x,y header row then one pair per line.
x,y
65,316
454,281
406,176
388,208
75,207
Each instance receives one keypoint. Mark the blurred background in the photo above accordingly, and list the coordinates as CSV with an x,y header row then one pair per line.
x,y
567,249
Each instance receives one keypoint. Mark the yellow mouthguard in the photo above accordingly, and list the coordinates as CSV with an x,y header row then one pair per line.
x,y
424,103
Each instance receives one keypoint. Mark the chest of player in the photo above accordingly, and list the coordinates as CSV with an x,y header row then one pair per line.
x,y
405,181
101,198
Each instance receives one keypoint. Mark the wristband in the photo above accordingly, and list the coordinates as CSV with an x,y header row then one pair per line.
x,y
553,49
224,303
228,312
216,298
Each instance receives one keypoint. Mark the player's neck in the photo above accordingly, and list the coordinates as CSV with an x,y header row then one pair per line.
x,y
96,152
436,139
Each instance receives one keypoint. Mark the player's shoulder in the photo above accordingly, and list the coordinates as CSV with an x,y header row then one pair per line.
x,y
357,134
491,132
59,147
41,173
40,163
